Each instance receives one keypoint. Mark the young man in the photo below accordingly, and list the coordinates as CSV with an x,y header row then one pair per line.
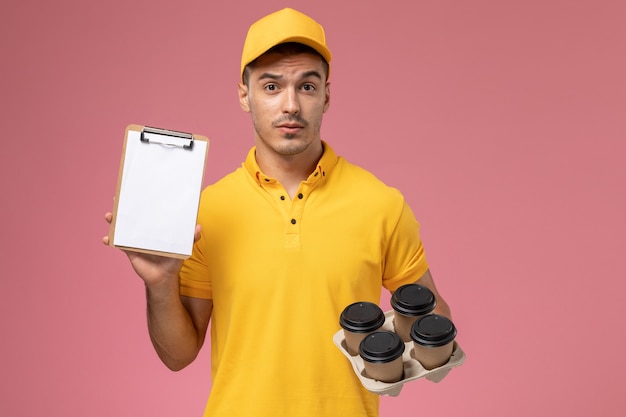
x,y
284,244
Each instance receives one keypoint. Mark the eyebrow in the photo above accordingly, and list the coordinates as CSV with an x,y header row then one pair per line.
x,y
271,76
312,73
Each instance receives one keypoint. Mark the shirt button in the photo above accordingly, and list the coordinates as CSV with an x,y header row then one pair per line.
x,y
293,221
282,197
300,196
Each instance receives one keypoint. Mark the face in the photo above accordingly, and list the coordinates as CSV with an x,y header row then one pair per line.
x,y
286,96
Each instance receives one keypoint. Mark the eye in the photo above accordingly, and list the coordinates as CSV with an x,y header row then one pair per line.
x,y
308,87
271,87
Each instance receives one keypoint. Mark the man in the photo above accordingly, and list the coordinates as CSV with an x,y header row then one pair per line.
x,y
284,243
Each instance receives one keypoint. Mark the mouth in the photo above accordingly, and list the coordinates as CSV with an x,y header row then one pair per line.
x,y
290,125
290,128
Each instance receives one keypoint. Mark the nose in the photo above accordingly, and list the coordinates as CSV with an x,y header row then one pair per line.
x,y
291,103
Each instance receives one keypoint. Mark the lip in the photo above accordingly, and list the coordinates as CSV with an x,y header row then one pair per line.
x,y
290,128
290,125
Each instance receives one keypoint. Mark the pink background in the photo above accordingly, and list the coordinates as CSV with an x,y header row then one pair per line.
x,y
502,122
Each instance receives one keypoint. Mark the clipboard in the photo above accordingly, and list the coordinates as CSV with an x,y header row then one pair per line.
x,y
158,191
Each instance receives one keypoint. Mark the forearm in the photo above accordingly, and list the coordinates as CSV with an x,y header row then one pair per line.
x,y
171,329
442,308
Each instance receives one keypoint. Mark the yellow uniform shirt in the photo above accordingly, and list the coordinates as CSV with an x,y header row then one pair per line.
x,y
280,271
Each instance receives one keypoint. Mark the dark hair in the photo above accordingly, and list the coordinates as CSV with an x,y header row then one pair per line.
x,y
288,48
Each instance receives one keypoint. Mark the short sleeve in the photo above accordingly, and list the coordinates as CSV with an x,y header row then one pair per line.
x,y
405,258
194,276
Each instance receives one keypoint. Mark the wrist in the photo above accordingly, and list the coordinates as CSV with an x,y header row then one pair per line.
x,y
163,289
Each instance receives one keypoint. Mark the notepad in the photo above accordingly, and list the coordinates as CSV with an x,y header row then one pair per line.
x,y
158,191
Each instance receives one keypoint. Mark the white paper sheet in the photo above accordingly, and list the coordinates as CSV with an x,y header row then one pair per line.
x,y
159,194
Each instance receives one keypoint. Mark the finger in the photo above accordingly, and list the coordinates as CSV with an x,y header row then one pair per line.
x,y
105,240
197,233
108,217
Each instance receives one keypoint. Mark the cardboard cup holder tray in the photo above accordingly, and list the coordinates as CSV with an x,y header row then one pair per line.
x,y
413,370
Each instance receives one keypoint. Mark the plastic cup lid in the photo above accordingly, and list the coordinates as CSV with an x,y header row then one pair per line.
x,y
413,300
381,347
362,317
433,330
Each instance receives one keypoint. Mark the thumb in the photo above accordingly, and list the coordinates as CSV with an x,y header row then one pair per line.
x,y
197,233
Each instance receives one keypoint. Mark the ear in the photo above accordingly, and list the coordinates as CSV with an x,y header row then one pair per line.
x,y
244,98
327,100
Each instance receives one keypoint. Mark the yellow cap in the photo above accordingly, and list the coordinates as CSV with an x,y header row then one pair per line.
x,y
286,25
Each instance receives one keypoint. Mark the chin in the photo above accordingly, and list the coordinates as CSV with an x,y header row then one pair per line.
x,y
291,147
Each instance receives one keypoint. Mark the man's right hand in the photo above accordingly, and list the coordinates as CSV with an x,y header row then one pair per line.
x,y
177,324
155,270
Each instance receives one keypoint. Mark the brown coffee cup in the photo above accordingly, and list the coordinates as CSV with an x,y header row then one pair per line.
x,y
381,352
410,302
358,320
433,340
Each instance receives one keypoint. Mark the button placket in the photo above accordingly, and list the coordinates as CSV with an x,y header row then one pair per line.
x,y
297,208
292,237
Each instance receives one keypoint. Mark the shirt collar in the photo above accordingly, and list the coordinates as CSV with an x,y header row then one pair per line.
x,y
323,169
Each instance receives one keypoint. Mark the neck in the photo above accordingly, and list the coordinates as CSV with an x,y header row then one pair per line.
x,y
289,170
